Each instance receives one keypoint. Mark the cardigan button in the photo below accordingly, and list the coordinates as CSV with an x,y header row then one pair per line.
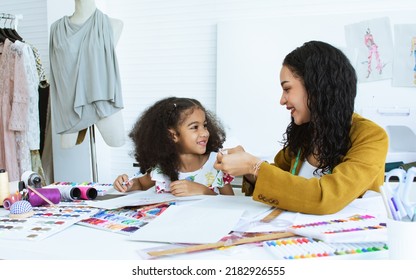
x,y
274,201
261,197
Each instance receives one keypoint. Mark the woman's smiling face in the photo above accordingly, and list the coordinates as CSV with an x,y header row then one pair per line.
x,y
294,96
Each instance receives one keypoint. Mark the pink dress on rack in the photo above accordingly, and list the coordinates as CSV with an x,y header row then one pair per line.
x,y
8,149
18,91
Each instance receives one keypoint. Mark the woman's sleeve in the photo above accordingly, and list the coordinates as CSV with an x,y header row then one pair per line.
x,y
282,160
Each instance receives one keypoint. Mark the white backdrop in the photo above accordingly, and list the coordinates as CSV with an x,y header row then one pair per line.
x,y
250,54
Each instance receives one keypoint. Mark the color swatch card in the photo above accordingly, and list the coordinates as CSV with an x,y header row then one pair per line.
x,y
304,248
356,228
45,222
125,220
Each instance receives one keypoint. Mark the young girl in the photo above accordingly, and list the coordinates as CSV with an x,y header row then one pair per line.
x,y
176,141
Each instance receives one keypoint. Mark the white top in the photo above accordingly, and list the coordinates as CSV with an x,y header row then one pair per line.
x,y
307,170
207,175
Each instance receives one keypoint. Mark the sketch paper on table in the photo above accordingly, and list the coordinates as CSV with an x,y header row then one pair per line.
x,y
189,224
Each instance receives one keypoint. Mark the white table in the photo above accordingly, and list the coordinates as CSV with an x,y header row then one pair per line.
x,y
81,242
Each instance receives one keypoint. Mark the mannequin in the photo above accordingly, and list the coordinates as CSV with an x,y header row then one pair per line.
x,y
111,127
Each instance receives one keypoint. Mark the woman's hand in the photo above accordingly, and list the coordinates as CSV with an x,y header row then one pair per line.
x,y
236,162
188,188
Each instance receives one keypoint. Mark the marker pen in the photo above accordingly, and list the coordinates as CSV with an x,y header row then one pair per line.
x,y
136,175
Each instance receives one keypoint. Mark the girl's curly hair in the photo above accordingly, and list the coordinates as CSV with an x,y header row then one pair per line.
x,y
153,143
331,84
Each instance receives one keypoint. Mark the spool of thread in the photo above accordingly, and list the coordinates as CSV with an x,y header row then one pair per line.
x,y
53,194
4,185
11,199
69,193
88,193
32,179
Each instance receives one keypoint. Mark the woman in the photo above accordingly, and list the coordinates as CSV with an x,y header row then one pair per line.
x,y
330,154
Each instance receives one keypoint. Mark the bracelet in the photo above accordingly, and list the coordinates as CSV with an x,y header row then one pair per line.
x,y
256,167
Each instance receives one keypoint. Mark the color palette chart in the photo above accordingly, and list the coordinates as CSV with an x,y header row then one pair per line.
x,y
356,228
45,222
125,220
304,248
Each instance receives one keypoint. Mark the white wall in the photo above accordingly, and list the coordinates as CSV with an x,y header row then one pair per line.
x,y
250,54
169,47
33,27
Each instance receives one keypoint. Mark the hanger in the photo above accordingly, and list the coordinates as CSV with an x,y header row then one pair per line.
x,y
3,35
13,31
9,32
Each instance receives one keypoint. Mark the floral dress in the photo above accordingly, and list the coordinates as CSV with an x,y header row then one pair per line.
x,y
207,175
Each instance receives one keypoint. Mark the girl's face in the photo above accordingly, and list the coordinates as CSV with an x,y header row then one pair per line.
x,y
294,96
192,135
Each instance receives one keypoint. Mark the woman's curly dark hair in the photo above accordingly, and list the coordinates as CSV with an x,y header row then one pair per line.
x,y
153,143
331,84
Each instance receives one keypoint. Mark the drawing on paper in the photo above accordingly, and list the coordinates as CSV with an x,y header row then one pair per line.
x,y
372,45
404,68
373,54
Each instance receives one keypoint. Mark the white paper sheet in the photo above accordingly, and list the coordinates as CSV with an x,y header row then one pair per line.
x,y
189,224
254,211
251,207
370,203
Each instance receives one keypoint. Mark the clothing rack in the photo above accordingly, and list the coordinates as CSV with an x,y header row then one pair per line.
x,y
13,19
29,152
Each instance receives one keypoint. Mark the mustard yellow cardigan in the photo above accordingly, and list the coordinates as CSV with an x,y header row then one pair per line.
x,y
361,169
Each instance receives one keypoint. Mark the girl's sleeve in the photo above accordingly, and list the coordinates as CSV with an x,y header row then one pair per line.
x,y
227,178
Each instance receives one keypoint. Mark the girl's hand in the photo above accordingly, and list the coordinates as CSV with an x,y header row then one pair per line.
x,y
122,184
188,188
